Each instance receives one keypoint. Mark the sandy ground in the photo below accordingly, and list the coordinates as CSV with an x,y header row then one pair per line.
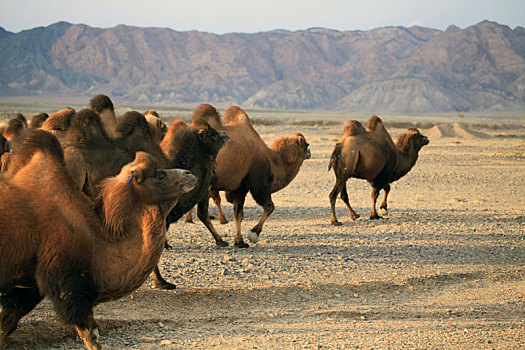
x,y
445,269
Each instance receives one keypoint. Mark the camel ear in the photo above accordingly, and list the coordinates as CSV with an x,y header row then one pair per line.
x,y
135,175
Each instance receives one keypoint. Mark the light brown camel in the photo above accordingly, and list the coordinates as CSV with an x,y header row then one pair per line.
x,y
246,164
372,155
53,244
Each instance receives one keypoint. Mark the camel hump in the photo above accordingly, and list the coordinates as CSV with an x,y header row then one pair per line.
x,y
100,103
209,114
353,128
374,123
130,122
235,115
32,142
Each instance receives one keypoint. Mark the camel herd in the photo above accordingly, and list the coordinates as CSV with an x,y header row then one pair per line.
x,y
87,197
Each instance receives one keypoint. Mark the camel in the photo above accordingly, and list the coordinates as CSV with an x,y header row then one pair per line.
x,y
371,154
54,244
246,164
158,127
194,148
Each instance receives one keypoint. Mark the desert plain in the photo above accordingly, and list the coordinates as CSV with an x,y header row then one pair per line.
x,y
444,270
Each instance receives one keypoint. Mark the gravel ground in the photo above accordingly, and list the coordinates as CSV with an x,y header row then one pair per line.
x,y
445,269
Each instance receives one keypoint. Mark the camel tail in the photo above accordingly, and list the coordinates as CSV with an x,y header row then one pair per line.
x,y
336,154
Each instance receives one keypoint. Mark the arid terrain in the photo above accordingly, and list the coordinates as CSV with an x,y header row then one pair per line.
x,y
444,270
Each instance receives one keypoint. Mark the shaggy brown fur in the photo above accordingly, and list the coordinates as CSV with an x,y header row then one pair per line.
x,y
194,148
157,126
38,120
103,105
57,123
52,243
246,164
372,155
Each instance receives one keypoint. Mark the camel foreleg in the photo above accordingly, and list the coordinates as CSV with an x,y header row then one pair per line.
x,y
253,236
202,213
373,213
344,197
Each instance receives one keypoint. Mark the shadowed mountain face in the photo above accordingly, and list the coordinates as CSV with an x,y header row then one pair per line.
x,y
392,69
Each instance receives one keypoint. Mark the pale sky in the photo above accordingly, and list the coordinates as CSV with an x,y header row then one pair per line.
x,y
249,16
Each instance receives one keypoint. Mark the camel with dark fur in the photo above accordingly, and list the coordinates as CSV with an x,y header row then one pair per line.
x,y
246,164
371,154
58,122
194,148
54,244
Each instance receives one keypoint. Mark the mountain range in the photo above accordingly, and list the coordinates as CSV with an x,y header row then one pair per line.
x,y
384,70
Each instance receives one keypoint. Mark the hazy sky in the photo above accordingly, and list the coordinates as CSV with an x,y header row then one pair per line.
x,y
224,16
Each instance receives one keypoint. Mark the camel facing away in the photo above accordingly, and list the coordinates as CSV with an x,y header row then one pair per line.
x,y
56,243
370,154
246,164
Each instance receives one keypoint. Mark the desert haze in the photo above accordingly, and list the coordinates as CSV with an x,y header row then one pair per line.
x,y
444,269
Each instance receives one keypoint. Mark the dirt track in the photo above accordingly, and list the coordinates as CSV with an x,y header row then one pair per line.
x,y
445,269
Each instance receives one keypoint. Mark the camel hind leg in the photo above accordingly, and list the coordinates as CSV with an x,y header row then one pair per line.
x,y
333,198
17,302
238,197
383,207
373,213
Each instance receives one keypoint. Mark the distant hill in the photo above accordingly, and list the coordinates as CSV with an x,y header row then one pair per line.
x,y
391,69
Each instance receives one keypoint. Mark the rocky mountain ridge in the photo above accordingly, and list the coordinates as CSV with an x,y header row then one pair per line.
x,y
385,70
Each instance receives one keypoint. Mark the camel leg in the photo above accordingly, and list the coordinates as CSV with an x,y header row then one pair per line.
x,y
16,303
89,333
202,213
344,197
217,200
383,207
238,199
373,213
159,282
333,198
189,217
253,236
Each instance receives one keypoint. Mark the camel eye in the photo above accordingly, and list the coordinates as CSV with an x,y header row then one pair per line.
x,y
161,175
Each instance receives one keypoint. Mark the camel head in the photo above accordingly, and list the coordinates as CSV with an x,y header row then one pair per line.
x,y
158,127
210,138
153,184
292,148
412,139
5,145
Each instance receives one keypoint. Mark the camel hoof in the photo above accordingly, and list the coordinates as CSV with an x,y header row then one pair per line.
x,y
253,237
221,243
189,221
355,217
375,217
383,211
167,246
241,245
337,223
224,221
164,285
